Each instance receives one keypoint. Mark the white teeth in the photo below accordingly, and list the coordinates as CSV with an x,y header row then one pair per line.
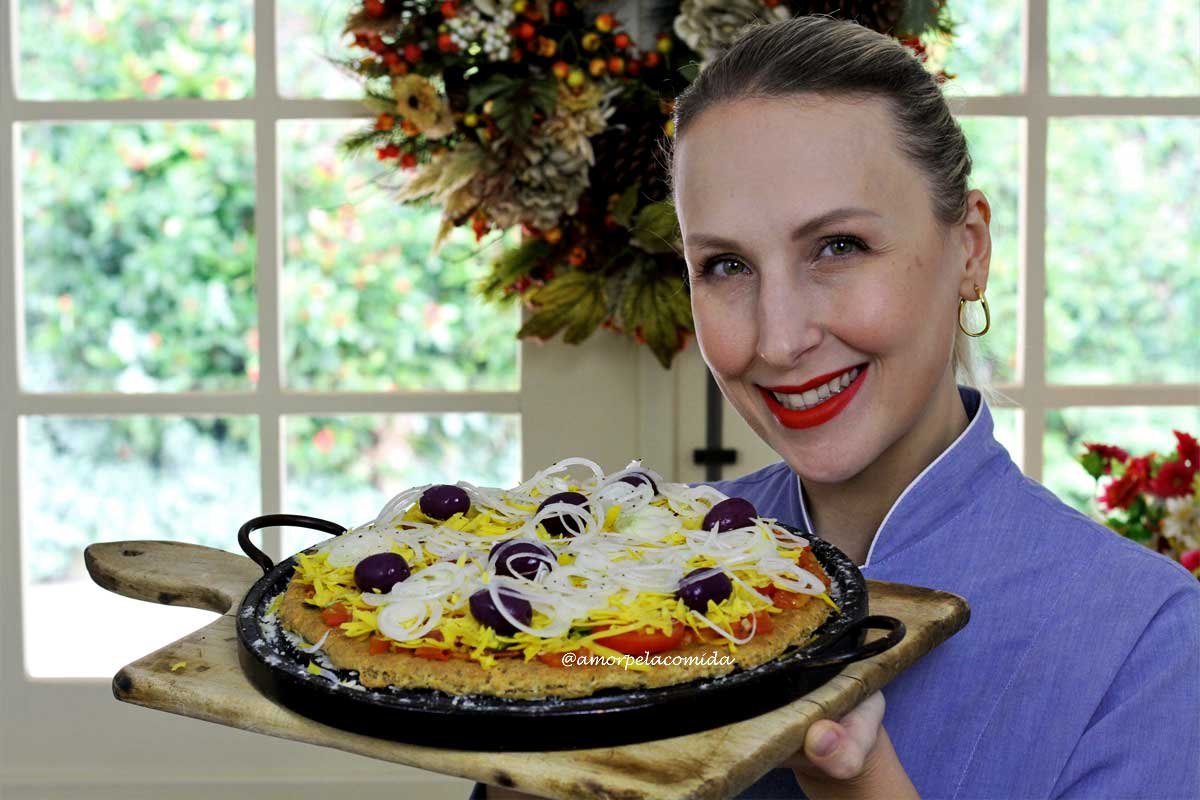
x,y
822,393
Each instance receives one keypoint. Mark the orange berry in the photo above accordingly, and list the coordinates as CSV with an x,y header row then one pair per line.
x,y
590,42
597,67
561,69
616,65
553,236
605,23
384,122
651,59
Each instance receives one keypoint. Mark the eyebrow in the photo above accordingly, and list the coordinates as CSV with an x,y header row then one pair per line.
x,y
802,231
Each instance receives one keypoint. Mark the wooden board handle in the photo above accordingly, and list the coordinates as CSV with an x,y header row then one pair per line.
x,y
172,573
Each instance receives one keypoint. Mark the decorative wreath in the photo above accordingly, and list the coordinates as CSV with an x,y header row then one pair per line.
x,y
541,114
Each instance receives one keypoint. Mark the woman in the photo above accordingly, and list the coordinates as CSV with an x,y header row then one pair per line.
x,y
831,241
831,244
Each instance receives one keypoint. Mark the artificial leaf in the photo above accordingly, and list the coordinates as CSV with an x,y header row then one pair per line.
x,y
657,306
922,16
512,264
623,209
656,229
575,300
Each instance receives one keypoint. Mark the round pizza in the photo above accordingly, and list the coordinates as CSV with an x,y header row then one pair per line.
x,y
559,587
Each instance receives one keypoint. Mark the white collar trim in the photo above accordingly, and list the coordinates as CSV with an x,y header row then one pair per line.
x,y
907,489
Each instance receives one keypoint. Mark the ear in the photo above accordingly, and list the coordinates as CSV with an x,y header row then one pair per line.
x,y
976,239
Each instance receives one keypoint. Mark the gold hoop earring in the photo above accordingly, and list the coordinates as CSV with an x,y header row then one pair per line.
x,y
987,314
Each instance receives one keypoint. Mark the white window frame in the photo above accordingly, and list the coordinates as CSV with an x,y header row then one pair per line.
x,y
69,737
71,733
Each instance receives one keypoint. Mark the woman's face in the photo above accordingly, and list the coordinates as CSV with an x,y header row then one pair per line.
x,y
824,291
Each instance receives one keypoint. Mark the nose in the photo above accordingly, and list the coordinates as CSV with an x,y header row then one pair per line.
x,y
789,324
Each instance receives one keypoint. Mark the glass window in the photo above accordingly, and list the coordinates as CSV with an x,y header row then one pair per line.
x,y
367,305
1137,430
1112,47
995,144
1122,228
121,49
1008,430
985,54
86,480
139,252
311,43
345,468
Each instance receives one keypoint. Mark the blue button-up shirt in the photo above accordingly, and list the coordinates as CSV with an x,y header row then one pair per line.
x,y
1078,674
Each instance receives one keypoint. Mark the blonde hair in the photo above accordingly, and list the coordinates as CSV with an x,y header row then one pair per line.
x,y
830,57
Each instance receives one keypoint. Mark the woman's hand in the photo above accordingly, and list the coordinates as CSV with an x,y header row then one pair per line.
x,y
851,758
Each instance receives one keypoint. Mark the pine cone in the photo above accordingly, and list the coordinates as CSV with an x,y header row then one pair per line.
x,y
553,170
628,152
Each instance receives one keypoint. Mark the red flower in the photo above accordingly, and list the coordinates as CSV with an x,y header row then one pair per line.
x,y
1188,449
1107,452
1174,479
1121,492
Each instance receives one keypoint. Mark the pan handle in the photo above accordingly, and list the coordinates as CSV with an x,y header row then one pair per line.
x,y
269,520
893,626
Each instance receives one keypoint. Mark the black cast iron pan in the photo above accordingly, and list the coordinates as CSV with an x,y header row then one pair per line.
x,y
608,718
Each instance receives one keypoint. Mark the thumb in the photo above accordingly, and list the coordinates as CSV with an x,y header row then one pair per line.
x,y
831,749
839,749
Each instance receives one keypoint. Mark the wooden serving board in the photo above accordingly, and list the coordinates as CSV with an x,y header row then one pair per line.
x,y
716,763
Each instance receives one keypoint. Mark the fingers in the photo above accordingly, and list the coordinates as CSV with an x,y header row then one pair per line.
x,y
839,749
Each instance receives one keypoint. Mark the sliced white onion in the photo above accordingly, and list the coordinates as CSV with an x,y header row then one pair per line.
x,y
409,619
727,634
314,648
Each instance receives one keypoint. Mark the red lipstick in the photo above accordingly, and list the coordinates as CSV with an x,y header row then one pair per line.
x,y
818,414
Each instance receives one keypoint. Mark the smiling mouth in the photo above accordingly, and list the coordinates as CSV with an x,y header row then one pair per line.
x,y
800,398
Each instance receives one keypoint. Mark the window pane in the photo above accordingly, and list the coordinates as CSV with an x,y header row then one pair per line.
x,y
1122,232
1008,423
139,256
345,468
995,152
367,306
985,54
308,35
86,480
1138,430
116,49
1113,47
